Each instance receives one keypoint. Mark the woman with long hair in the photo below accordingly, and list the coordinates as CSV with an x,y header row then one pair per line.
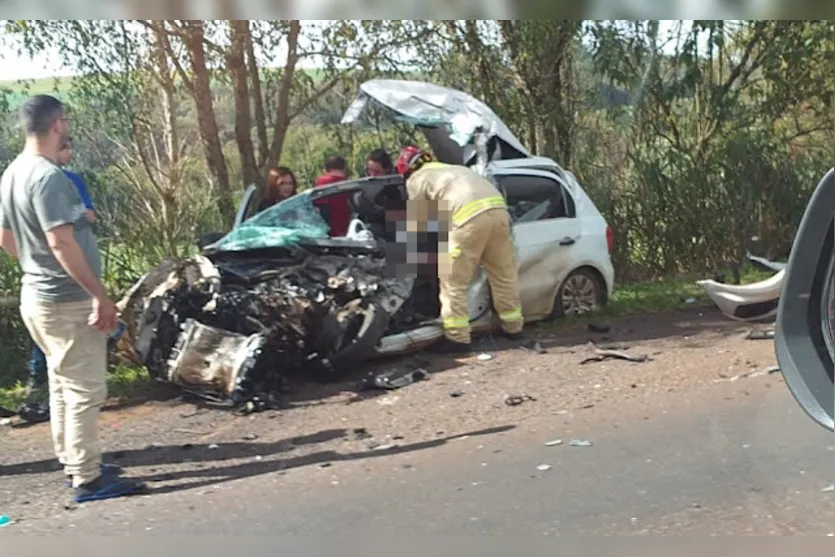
x,y
281,185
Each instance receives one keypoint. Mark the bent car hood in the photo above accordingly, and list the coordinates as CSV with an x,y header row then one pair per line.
x,y
449,118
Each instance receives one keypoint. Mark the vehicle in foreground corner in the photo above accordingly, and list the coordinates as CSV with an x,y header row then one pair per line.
x,y
278,293
805,332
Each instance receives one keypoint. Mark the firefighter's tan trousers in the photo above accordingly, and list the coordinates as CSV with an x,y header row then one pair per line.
x,y
485,240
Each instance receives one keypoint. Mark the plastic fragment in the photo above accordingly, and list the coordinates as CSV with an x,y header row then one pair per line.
x,y
580,443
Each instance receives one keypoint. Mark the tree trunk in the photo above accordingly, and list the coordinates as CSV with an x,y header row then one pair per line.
x,y
257,98
206,122
282,110
243,117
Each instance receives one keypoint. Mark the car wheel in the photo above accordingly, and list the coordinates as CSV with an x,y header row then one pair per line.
x,y
581,292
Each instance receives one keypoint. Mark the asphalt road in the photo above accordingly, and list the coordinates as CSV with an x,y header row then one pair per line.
x,y
731,459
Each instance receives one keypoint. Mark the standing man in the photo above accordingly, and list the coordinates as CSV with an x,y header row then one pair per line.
x,y
335,209
478,234
43,223
36,408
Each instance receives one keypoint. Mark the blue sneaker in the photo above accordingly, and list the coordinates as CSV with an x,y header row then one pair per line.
x,y
106,469
107,487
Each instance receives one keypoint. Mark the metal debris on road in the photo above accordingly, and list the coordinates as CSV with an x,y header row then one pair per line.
x,y
543,467
553,443
580,443
191,431
760,335
484,357
517,399
601,354
767,371
394,378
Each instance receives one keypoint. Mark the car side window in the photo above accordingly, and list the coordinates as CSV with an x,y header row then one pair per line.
x,y
532,198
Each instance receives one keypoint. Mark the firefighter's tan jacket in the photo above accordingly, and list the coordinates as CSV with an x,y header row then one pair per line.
x,y
465,193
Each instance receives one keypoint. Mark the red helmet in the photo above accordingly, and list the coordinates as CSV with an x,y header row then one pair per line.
x,y
411,158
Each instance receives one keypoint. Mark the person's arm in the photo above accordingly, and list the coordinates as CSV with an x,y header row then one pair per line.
x,y
57,210
69,254
7,241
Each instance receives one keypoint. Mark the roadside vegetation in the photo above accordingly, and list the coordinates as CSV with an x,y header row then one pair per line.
x,y
691,140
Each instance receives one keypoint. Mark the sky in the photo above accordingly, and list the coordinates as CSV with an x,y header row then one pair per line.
x,y
48,63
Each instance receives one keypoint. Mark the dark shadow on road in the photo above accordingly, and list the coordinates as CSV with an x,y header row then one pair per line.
x,y
153,455
200,453
218,475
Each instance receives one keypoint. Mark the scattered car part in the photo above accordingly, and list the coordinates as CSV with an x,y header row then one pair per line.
x,y
394,378
805,330
764,263
746,302
601,354
760,335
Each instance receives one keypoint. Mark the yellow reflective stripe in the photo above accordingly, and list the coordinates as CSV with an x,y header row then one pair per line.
x,y
455,252
434,164
456,322
473,207
512,315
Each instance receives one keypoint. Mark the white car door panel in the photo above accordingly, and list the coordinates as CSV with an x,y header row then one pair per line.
x,y
545,233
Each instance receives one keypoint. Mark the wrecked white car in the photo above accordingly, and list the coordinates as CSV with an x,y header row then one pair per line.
x,y
278,295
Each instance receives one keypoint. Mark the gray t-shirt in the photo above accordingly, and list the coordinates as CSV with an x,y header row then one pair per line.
x,y
36,196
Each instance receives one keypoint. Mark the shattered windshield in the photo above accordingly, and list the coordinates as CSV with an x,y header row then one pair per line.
x,y
282,225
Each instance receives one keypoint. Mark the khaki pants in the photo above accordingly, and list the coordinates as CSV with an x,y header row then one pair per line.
x,y
485,240
76,356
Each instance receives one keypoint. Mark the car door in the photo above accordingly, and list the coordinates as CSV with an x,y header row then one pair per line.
x,y
545,232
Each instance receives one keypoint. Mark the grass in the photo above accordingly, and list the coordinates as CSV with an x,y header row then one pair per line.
x,y
122,382
628,299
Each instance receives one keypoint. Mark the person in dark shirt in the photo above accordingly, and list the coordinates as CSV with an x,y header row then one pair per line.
x,y
281,185
379,163
335,209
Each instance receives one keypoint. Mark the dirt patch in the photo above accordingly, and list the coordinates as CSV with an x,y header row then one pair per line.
x,y
180,446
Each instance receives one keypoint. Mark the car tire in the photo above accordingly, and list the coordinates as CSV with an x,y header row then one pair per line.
x,y
582,290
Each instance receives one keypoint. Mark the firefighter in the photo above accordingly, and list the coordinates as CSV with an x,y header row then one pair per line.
x,y
478,233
